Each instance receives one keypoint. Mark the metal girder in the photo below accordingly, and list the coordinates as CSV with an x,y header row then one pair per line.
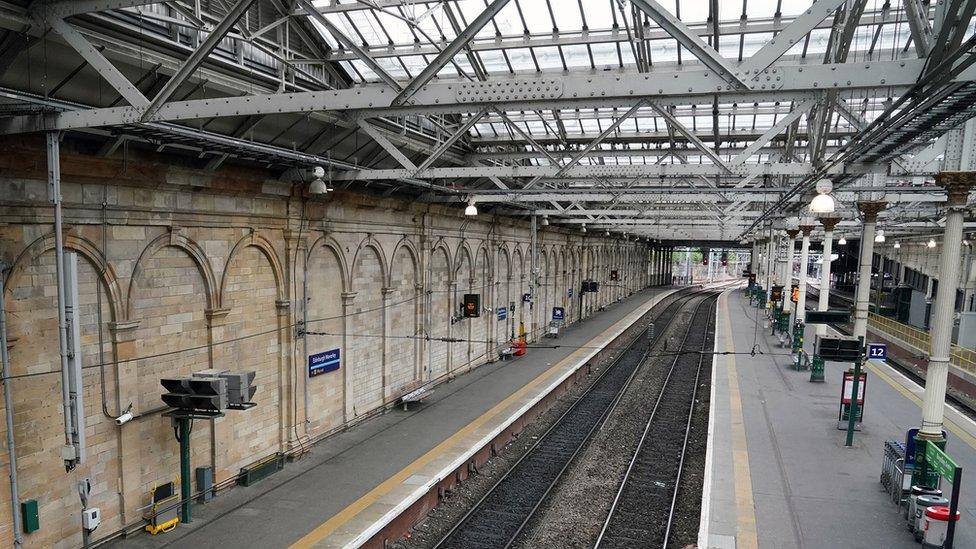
x,y
340,37
689,135
390,148
788,37
458,133
773,131
562,91
918,23
687,38
66,8
585,171
199,56
101,65
448,53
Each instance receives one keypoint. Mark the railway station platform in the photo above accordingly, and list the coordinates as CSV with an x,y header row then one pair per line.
x,y
778,473
353,485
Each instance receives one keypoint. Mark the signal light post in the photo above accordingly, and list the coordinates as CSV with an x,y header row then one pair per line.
x,y
204,395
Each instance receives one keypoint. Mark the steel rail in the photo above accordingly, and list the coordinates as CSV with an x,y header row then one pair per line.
x,y
640,445
544,438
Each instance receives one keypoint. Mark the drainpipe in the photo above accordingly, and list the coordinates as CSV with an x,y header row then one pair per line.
x,y
8,407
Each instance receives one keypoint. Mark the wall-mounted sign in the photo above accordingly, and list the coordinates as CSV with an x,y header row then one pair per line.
x,y
471,307
502,313
320,363
526,298
511,307
558,313
570,292
877,351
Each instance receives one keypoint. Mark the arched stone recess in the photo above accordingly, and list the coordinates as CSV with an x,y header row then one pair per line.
x,y
478,327
365,338
439,310
264,246
326,282
519,286
403,310
251,291
503,296
464,283
32,331
172,297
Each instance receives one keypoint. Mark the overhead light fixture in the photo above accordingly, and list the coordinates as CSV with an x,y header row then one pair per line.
x,y
583,228
823,203
897,245
967,242
931,243
880,237
471,209
606,233
318,186
545,220
842,241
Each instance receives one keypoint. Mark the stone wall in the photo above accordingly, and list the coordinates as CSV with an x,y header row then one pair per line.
x,y
182,269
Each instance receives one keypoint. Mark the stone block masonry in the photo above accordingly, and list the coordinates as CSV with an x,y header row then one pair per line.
x,y
183,269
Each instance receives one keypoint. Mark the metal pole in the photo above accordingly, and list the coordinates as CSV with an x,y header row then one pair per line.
x,y
54,191
870,210
855,386
953,507
534,267
957,185
801,308
9,416
185,490
828,243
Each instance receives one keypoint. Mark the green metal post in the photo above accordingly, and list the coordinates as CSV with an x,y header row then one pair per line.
x,y
852,411
185,494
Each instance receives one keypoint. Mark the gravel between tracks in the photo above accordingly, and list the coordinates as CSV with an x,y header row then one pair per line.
x,y
574,512
457,502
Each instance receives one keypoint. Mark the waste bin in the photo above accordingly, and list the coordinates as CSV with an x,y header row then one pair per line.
x,y
912,496
936,526
922,503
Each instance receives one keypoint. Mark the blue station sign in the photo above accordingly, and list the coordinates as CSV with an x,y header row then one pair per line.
x,y
877,351
324,362
558,313
502,313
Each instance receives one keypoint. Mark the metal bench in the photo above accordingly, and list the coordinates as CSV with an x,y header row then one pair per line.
x,y
416,395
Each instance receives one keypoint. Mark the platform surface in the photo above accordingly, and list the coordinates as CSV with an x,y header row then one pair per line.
x,y
338,489
780,475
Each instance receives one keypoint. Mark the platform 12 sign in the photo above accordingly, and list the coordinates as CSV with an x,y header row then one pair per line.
x,y
877,351
324,362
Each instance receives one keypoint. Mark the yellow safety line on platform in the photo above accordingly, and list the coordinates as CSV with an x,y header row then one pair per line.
x,y
745,509
328,527
952,426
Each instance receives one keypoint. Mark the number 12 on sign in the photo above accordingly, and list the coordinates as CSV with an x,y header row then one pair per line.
x,y
877,351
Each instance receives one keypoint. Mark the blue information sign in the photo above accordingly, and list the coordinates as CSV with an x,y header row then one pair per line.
x,y
324,362
877,351
558,313
570,292
502,313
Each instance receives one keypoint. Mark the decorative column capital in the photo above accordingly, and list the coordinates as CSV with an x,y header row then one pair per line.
x,y
792,233
121,331
388,290
806,229
348,297
957,185
829,222
870,209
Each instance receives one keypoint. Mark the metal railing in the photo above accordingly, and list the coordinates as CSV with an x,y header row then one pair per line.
x,y
919,340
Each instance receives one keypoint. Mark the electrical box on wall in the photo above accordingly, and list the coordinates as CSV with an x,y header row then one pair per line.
x,y
471,308
32,521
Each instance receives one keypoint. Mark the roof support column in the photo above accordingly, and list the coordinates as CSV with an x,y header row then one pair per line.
x,y
787,267
806,227
957,185
828,244
869,210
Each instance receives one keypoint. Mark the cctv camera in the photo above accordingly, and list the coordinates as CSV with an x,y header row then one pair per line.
x,y
124,418
318,172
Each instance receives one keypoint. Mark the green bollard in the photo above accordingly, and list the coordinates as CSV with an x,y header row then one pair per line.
x,y
817,369
797,337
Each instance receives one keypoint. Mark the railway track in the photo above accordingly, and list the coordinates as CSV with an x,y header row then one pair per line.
x,y
501,514
643,510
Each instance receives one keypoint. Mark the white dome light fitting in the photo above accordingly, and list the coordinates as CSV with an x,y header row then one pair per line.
x,y
318,186
880,237
931,243
823,203
318,172
471,209
897,245
842,241
583,228
545,220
